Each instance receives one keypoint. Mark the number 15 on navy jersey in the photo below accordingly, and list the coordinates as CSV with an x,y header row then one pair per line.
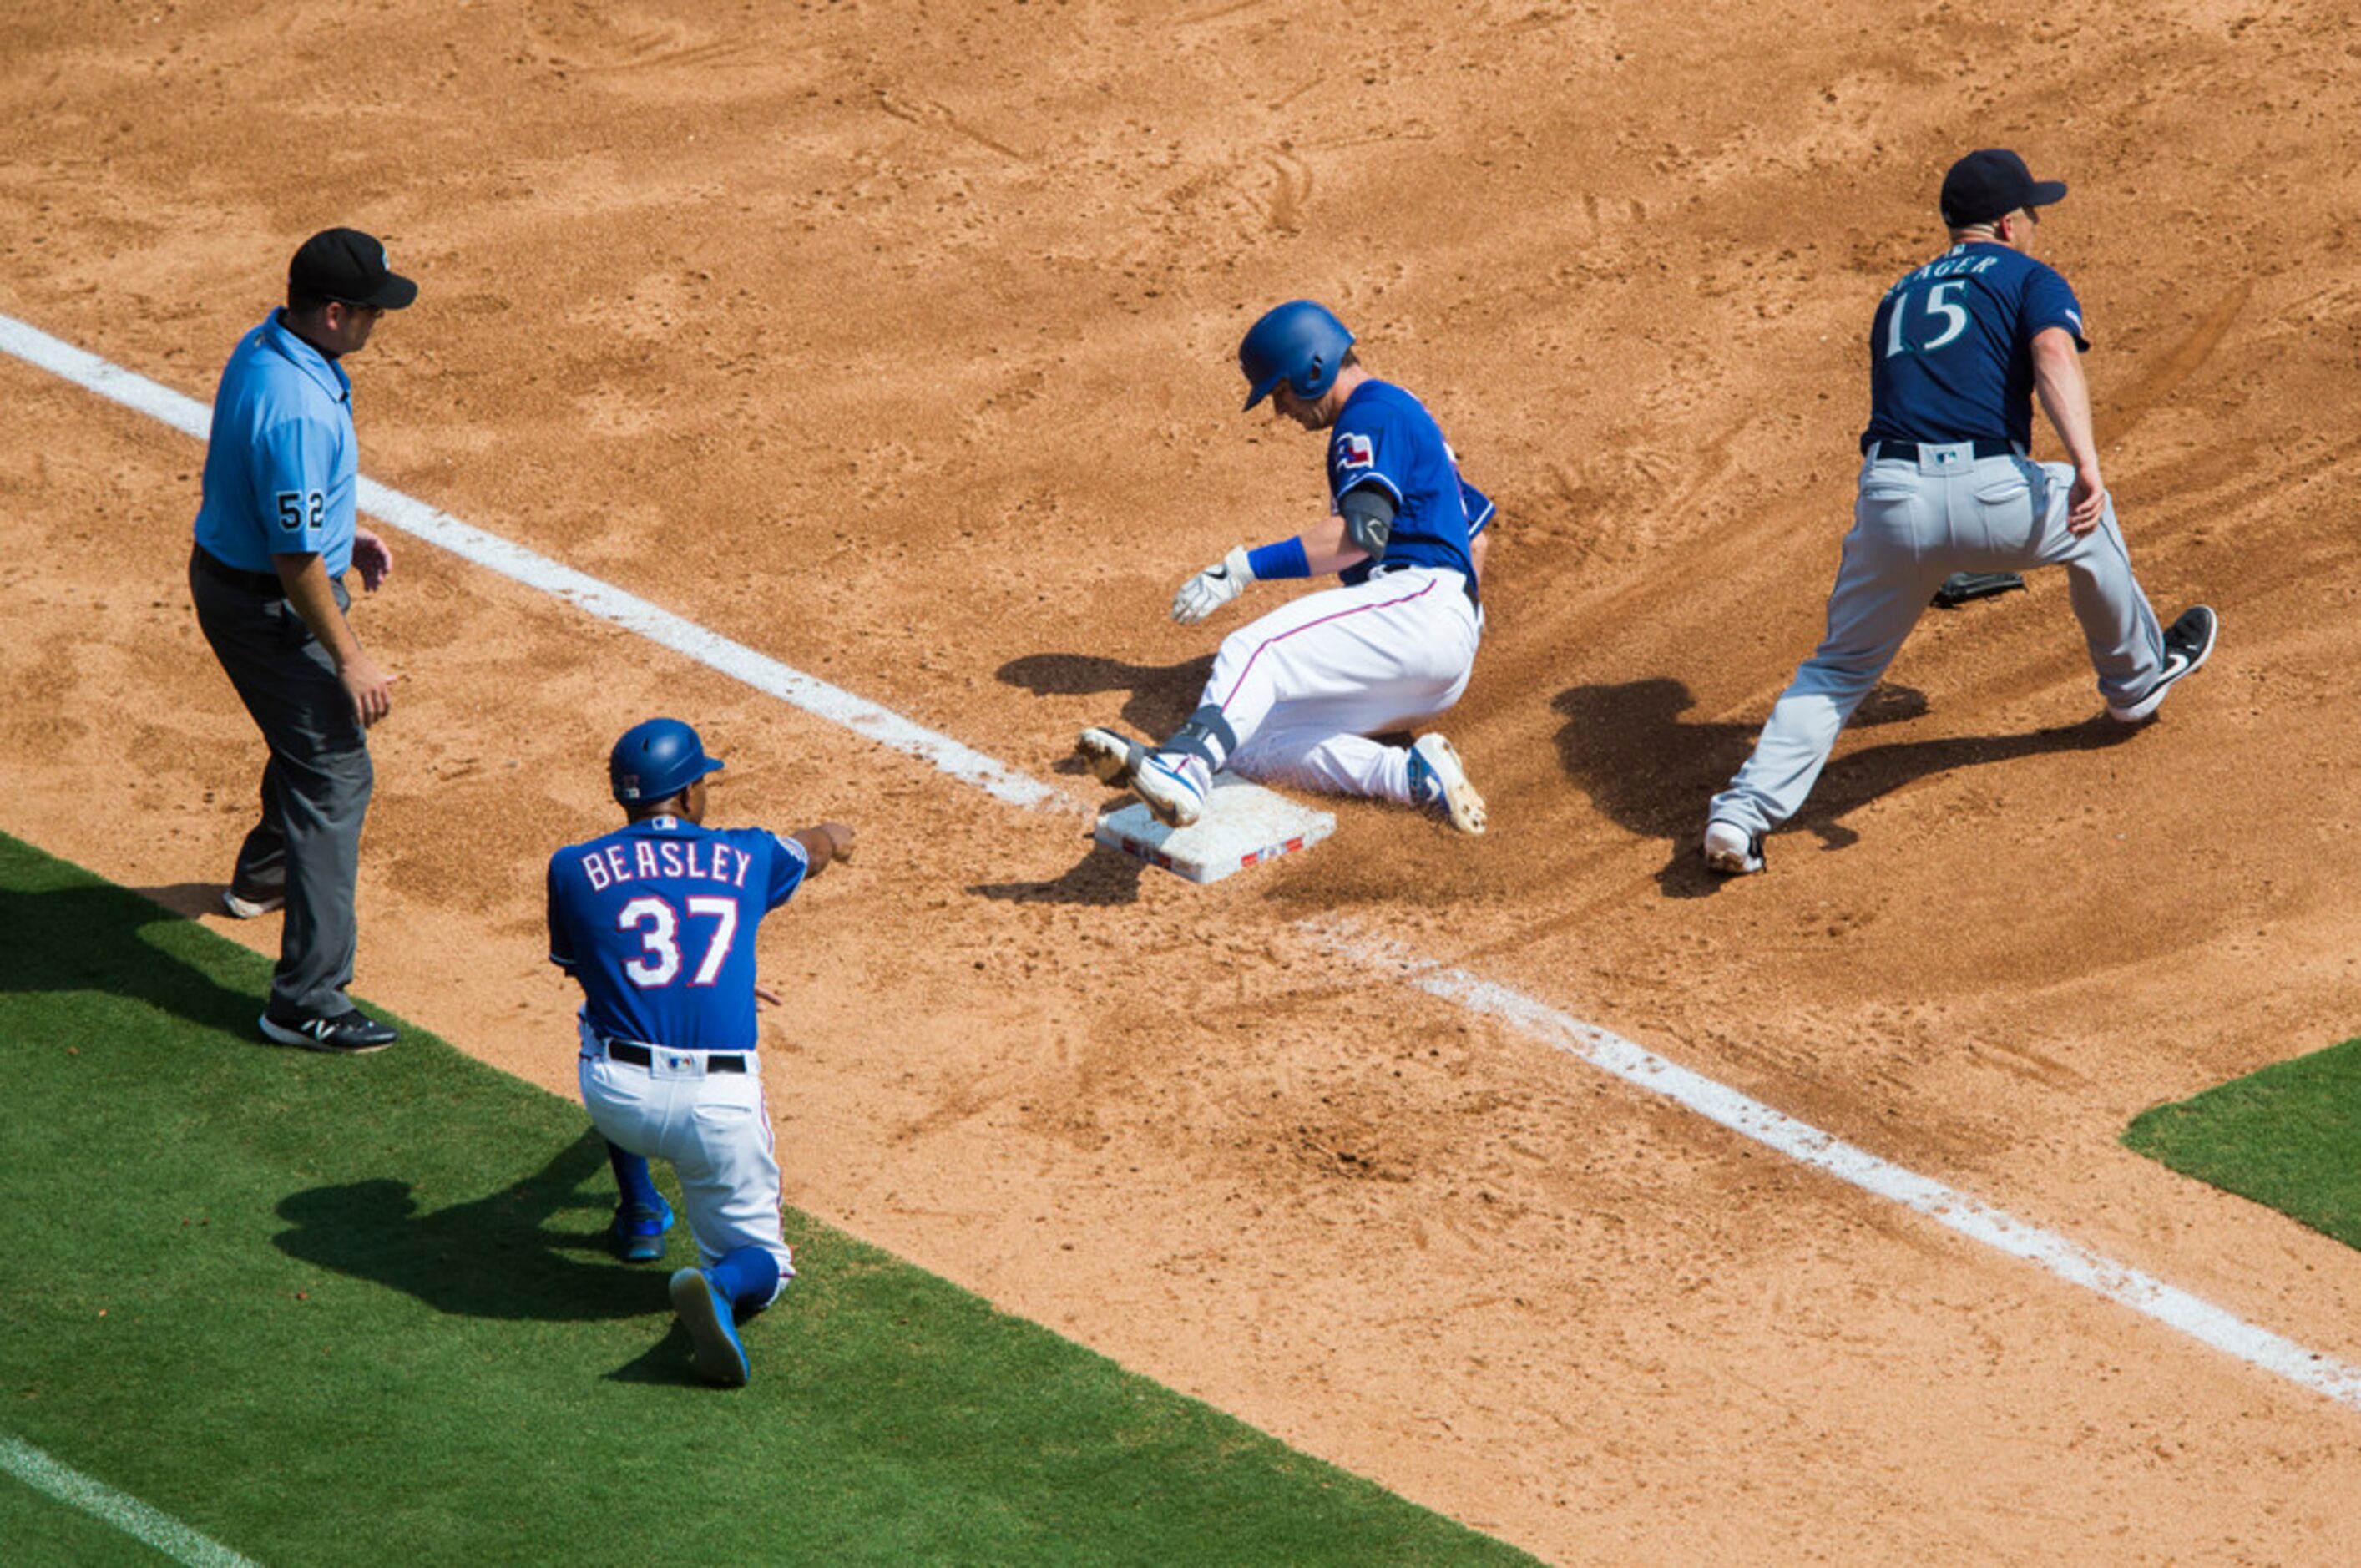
x,y
1950,347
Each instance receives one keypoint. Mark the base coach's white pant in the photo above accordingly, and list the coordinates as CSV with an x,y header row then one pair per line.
x,y
712,1127
1914,523
1304,687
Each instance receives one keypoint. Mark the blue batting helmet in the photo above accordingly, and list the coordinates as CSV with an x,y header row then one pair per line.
x,y
656,760
1299,343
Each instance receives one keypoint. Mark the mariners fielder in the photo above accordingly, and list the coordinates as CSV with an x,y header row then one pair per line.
x,y
1958,350
656,920
1295,696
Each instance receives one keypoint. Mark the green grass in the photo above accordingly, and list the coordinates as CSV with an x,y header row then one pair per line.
x,y
2284,1136
351,1310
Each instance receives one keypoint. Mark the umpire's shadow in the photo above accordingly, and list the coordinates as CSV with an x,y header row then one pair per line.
x,y
1160,696
78,938
1651,772
535,1249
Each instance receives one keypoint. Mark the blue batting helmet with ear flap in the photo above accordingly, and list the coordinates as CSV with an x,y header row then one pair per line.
x,y
1299,343
657,759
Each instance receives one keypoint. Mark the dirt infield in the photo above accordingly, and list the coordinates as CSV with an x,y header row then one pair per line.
x,y
896,342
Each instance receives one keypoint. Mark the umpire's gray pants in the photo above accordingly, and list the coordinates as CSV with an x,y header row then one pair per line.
x,y
1914,523
315,787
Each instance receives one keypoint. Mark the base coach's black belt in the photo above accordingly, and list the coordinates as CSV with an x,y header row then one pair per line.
x,y
640,1056
221,571
1908,451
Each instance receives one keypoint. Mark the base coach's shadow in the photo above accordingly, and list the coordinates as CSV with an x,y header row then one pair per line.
x,y
1628,748
1161,695
517,1253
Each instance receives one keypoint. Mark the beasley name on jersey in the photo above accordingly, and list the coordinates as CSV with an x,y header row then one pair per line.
x,y
1385,437
658,921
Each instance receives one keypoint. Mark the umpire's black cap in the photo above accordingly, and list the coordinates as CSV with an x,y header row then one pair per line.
x,y
1990,184
349,267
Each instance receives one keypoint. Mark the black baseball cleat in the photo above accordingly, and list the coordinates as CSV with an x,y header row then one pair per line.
x,y
2188,644
347,1034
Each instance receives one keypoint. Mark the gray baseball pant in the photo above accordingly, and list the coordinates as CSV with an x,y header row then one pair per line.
x,y
315,787
1914,523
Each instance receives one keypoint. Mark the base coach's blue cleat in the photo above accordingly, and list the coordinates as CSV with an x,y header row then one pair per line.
x,y
638,1231
712,1328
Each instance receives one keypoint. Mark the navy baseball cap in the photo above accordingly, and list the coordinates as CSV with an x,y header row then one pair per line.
x,y
348,266
1990,184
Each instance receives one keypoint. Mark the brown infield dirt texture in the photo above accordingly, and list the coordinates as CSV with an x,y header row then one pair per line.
x,y
896,341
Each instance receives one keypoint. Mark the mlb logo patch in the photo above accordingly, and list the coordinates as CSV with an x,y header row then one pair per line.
x,y
1355,451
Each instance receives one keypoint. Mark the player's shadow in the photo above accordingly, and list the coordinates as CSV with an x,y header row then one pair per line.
x,y
95,938
535,1249
1160,696
1650,772
1103,876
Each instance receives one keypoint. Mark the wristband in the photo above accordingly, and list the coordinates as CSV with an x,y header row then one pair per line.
x,y
1284,559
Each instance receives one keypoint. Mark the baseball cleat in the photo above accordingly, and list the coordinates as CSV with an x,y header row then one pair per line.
x,y
250,905
1111,758
638,1231
2188,644
347,1034
1731,849
712,1329
1172,787
1438,782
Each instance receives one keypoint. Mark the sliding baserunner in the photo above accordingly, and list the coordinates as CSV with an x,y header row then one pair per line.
x,y
1296,696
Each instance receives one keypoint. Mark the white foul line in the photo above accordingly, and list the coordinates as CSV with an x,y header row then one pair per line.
x,y
1978,1220
125,1512
1806,1144
604,600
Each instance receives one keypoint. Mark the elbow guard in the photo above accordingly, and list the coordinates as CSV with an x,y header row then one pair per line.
x,y
1368,519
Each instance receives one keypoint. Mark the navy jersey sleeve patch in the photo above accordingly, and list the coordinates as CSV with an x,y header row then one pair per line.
x,y
2050,302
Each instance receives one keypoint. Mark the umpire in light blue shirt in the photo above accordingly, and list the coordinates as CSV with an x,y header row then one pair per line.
x,y
275,536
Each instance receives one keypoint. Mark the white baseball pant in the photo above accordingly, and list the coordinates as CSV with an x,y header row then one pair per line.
x,y
715,1129
1304,686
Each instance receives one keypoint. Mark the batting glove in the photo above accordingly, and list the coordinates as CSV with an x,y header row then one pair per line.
x,y
1211,589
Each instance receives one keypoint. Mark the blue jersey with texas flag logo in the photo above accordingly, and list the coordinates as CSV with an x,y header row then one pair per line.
x,y
658,921
1385,437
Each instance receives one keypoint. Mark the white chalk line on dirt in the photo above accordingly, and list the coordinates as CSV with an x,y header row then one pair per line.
x,y
1610,1053
1806,1144
601,599
125,1512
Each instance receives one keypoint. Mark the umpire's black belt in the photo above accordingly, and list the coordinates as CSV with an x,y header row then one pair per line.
x,y
1908,451
641,1056
222,572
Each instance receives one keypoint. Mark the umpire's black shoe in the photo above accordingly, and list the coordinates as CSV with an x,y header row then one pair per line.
x,y
347,1034
2188,644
